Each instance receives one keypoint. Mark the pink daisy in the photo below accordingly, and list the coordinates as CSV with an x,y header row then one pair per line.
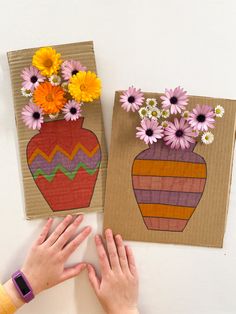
x,y
31,77
32,116
175,100
71,67
149,131
202,118
178,134
72,110
131,99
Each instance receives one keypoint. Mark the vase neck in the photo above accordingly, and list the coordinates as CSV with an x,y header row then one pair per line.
x,y
61,124
161,144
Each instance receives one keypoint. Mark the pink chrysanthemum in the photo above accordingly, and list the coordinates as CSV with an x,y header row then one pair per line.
x,y
32,115
32,77
149,131
175,100
131,99
202,118
72,110
70,68
178,134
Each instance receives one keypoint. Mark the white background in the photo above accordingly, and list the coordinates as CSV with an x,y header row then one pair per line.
x,y
152,44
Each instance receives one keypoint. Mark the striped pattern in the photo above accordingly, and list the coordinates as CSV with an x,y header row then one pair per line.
x,y
168,190
59,161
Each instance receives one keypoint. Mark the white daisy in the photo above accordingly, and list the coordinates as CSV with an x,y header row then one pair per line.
x,y
185,114
219,111
207,138
55,80
26,92
152,102
143,112
54,116
64,86
154,113
165,124
165,113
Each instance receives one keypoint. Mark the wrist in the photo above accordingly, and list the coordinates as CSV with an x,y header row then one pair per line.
x,y
32,280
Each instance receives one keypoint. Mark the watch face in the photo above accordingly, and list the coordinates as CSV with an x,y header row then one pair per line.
x,y
22,285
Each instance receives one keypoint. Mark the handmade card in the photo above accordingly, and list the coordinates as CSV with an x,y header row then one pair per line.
x,y
60,129
170,167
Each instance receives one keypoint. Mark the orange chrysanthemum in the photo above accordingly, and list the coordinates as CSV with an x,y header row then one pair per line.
x,y
50,98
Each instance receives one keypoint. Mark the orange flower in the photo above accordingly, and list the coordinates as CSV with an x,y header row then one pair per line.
x,y
50,98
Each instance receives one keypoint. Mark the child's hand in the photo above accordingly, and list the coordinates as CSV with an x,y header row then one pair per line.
x,y
117,290
44,266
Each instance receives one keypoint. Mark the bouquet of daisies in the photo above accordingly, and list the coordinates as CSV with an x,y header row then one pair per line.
x,y
170,120
55,86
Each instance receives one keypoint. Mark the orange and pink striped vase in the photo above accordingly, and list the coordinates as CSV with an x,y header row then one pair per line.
x,y
168,185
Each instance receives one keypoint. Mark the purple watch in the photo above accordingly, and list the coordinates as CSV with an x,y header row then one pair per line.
x,y
23,286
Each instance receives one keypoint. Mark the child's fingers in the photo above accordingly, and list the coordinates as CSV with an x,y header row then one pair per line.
x,y
131,261
122,253
112,251
73,245
71,272
94,280
102,255
45,231
68,233
59,230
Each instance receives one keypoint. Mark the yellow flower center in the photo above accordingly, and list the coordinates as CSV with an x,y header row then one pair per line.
x,y
49,97
217,111
207,138
151,102
48,63
82,87
143,112
154,113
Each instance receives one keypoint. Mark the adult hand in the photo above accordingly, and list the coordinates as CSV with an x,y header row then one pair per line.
x,y
117,289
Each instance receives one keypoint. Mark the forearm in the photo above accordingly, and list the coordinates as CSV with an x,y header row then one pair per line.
x,y
13,294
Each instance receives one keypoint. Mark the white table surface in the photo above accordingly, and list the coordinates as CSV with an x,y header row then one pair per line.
x,y
152,44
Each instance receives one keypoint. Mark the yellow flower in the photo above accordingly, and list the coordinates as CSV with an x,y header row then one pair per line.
x,y
85,86
47,60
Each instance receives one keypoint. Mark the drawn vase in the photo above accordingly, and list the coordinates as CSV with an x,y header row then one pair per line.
x,y
168,185
64,160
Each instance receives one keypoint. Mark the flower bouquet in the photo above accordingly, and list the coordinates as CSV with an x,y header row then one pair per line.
x,y
186,127
55,86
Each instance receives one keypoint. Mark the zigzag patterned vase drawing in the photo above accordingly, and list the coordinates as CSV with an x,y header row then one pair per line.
x,y
64,160
168,185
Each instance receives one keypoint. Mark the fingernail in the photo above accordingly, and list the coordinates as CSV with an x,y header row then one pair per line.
x,y
108,231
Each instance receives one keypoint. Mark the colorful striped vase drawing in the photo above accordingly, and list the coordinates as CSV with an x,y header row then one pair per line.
x,y
64,160
168,185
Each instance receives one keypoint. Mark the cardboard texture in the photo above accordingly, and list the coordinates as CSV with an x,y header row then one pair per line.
x,y
186,201
78,146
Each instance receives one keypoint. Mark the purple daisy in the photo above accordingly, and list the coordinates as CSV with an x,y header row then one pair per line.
x,y
202,118
150,131
175,100
131,99
32,116
70,68
32,77
72,110
178,134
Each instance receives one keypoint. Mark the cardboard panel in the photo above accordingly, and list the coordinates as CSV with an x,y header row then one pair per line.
x,y
168,196
52,193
